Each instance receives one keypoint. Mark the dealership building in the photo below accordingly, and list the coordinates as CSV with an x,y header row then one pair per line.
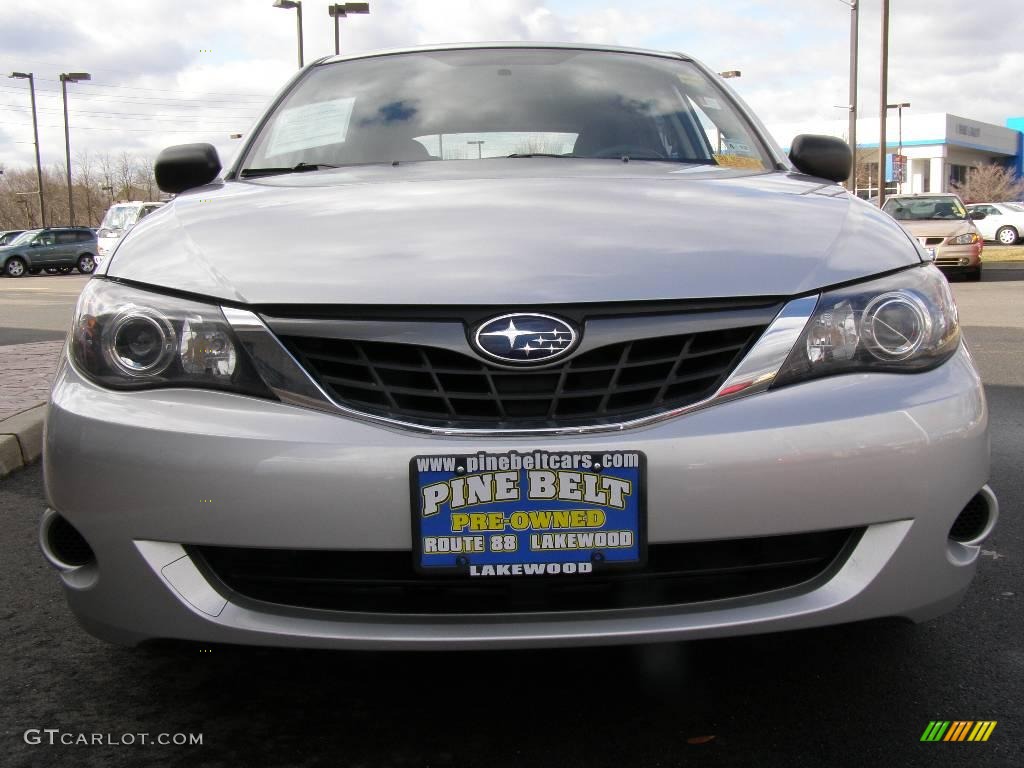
x,y
939,148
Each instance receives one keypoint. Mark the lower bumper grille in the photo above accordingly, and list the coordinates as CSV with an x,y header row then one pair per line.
x,y
384,581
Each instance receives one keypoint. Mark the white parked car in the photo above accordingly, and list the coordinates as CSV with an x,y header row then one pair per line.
x,y
1003,222
117,222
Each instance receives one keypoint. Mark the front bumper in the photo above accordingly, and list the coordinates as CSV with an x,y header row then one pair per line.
x,y
143,475
960,257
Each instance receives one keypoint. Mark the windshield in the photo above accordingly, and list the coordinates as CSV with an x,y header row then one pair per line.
x,y
120,217
24,237
478,104
923,208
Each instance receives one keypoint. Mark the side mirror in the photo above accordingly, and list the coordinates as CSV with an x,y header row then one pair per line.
x,y
824,156
186,166
976,215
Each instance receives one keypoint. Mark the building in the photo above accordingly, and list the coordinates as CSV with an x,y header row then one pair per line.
x,y
939,148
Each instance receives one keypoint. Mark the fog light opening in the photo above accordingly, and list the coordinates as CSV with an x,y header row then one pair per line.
x,y
63,545
976,520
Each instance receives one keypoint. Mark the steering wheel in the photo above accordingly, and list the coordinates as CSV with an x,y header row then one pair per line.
x,y
623,150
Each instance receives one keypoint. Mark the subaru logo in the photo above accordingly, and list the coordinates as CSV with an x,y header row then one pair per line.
x,y
525,338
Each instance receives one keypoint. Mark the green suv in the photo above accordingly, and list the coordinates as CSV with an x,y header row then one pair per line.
x,y
58,249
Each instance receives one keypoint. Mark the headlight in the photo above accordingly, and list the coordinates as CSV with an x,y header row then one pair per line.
x,y
126,338
903,323
966,239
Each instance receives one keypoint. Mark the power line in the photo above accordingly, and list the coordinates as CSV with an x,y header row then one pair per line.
x,y
128,130
19,61
141,99
137,115
162,90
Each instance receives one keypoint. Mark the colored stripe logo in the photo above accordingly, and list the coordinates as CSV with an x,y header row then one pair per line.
x,y
958,730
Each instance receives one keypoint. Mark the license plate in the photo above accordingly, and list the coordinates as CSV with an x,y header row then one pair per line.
x,y
528,513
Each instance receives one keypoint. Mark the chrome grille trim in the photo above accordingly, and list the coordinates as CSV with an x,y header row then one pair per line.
x,y
294,385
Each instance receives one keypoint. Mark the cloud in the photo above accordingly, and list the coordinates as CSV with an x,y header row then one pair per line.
x,y
171,71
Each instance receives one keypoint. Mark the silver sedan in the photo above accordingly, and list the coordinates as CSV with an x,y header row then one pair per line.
x,y
512,345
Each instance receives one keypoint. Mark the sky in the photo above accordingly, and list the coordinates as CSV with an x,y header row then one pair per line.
x,y
175,71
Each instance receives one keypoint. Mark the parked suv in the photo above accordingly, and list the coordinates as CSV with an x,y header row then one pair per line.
x,y
55,249
944,228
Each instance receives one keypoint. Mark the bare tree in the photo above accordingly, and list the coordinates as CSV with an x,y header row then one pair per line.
x,y
126,175
990,184
99,179
85,194
108,173
145,178
59,216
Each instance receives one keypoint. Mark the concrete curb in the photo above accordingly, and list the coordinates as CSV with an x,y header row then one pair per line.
x,y
21,438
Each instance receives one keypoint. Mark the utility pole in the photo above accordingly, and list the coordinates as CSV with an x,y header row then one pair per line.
x,y
854,29
883,103
35,137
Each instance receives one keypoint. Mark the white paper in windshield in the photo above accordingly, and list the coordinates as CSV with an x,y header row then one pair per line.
x,y
311,125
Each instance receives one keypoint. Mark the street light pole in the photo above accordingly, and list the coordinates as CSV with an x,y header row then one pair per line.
x,y
883,103
35,138
297,5
899,112
851,185
340,11
65,78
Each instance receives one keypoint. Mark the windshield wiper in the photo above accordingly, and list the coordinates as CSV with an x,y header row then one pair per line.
x,y
536,154
681,160
300,168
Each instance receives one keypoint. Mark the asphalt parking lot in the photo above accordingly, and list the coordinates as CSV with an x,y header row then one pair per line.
x,y
851,695
38,308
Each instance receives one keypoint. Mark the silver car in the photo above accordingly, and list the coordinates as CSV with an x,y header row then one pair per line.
x,y
499,346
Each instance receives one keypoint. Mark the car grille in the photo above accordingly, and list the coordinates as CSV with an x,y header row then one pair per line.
x,y
438,387
385,582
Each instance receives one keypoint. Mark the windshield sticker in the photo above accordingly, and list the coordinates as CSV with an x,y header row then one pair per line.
x,y
311,125
709,103
692,79
739,161
737,147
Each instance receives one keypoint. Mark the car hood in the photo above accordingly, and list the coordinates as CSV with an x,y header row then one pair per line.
x,y
938,227
511,232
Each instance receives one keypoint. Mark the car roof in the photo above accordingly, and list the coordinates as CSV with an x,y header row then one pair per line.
x,y
921,196
515,44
